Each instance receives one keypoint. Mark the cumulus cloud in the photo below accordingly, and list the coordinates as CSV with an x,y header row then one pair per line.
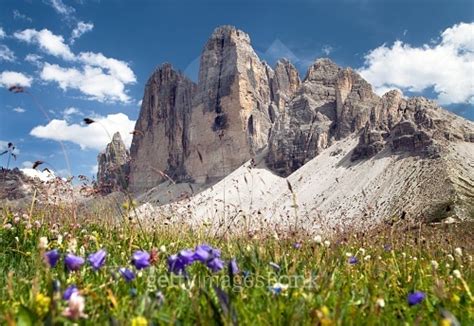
x,y
2,33
6,54
71,111
445,66
95,75
93,136
92,82
80,29
34,59
47,41
12,78
19,110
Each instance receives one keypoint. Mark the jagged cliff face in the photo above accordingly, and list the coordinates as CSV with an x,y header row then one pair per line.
x,y
160,143
200,133
113,166
241,107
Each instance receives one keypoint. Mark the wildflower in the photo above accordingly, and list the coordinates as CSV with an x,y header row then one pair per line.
x,y
458,252
141,259
297,245
233,268
469,258
69,291
187,256
353,260
278,288
60,239
348,254
215,264
127,274
7,226
380,302
362,251
450,257
52,257
367,258
318,239
72,245
163,249
176,265
202,253
327,243
434,264
37,224
139,321
75,309
457,273
43,243
73,263
42,304
97,259
415,298
275,266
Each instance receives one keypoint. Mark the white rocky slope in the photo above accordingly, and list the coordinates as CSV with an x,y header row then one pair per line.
x,y
330,191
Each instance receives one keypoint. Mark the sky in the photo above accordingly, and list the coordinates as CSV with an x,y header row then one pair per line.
x,y
92,58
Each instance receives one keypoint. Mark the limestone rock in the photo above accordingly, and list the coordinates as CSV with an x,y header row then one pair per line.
x,y
161,140
230,120
113,166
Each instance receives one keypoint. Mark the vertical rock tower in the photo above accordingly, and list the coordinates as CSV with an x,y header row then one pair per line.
x,y
113,166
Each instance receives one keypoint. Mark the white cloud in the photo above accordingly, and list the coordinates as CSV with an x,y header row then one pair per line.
x,y
445,66
61,8
118,69
12,78
20,16
92,136
47,41
2,33
34,59
42,175
80,29
68,112
19,110
6,54
97,76
93,82
94,169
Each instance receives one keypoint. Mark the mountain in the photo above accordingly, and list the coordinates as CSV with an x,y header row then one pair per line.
x,y
113,166
252,140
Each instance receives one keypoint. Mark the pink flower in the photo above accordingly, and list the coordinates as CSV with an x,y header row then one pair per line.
x,y
75,309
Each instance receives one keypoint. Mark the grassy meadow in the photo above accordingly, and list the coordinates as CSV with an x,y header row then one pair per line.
x,y
390,276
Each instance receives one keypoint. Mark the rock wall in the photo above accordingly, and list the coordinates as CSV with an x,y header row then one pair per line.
x,y
113,166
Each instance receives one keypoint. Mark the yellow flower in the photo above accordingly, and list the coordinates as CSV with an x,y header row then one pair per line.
x,y
325,311
42,304
455,298
445,322
139,321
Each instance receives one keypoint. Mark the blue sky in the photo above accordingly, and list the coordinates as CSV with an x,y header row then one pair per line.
x,y
91,58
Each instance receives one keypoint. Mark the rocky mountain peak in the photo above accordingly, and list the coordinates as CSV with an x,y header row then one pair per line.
x,y
241,108
113,166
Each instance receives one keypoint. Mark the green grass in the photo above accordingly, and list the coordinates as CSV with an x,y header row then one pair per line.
x,y
323,287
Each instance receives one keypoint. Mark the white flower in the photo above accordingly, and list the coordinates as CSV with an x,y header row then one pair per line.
x,y
72,245
380,302
362,251
60,239
163,249
318,239
37,224
367,258
458,252
434,264
348,254
450,257
82,251
469,258
7,226
43,243
457,273
404,254
415,259
76,305
327,243
277,288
